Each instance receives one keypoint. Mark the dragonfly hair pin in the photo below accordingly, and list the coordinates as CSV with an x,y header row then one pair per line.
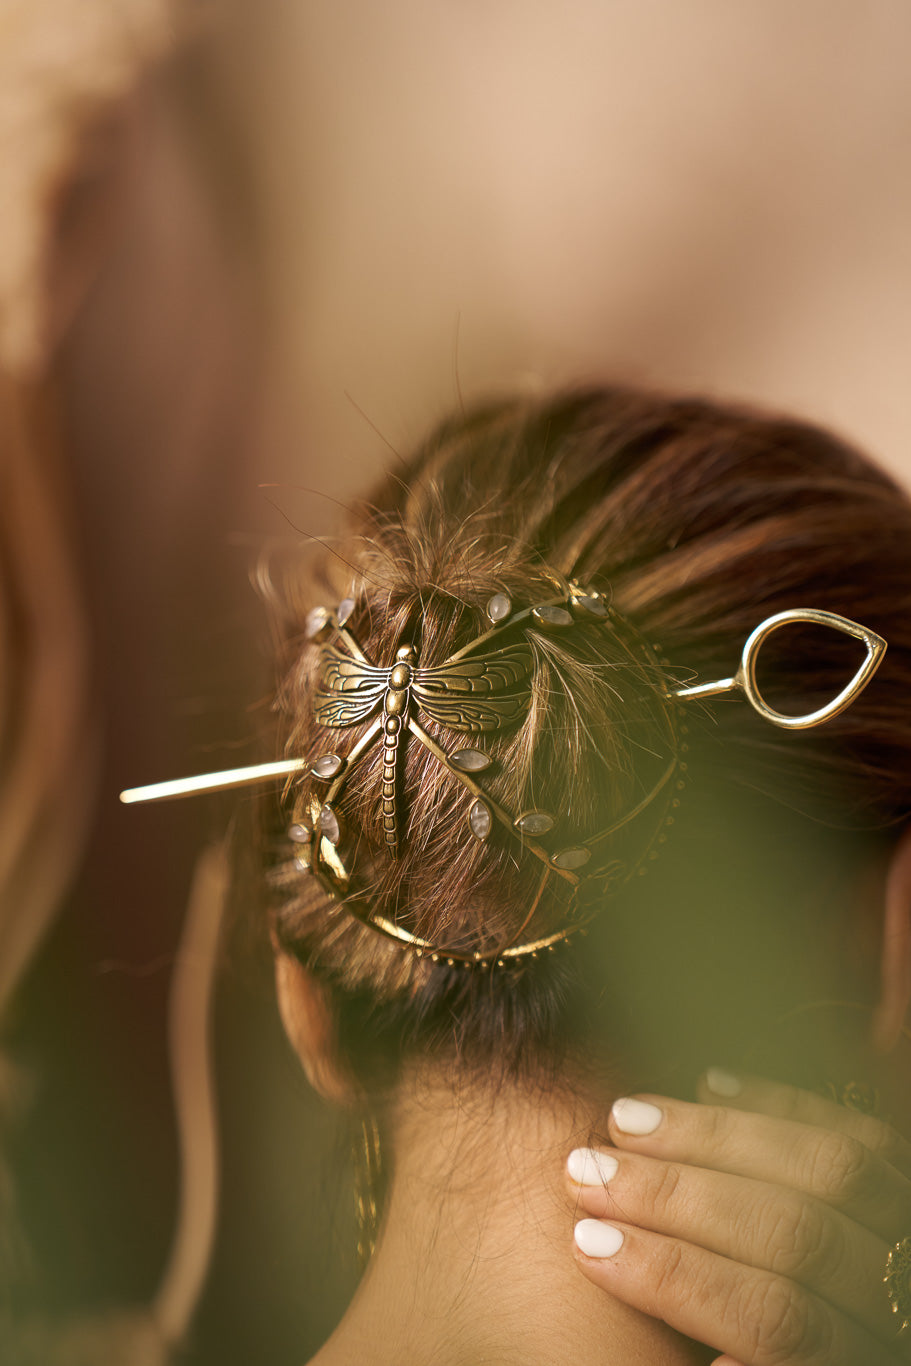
x,y
485,687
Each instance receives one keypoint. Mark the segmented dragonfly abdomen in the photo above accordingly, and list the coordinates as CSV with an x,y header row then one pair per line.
x,y
392,736
395,709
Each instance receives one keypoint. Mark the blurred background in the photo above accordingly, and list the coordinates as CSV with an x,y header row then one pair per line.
x,y
268,244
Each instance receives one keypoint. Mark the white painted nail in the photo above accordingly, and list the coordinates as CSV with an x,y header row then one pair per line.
x,y
636,1116
723,1083
591,1167
596,1239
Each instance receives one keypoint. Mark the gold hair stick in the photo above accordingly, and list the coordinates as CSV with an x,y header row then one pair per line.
x,y
212,782
745,678
486,687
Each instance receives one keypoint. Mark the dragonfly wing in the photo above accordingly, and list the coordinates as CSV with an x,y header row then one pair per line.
x,y
349,689
477,694
473,715
330,709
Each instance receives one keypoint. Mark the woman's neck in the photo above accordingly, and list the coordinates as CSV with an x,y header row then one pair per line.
x,y
474,1262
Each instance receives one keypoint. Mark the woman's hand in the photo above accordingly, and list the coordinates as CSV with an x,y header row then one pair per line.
x,y
758,1223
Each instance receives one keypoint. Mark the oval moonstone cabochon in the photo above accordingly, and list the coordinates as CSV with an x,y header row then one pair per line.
x,y
499,607
534,823
317,621
480,820
298,833
552,616
596,607
571,859
469,760
327,766
328,824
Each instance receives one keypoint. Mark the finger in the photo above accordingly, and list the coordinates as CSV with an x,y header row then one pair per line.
x,y
830,1166
755,1094
749,1222
754,1316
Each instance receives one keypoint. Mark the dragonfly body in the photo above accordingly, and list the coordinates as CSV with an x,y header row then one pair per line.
x,y
468,695
396,704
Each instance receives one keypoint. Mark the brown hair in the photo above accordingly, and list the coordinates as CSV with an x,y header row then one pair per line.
x,y
698,521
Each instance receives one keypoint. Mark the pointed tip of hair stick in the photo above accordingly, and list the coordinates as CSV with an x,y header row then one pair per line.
x,y
211,782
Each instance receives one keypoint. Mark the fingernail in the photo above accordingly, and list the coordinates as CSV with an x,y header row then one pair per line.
x,y
723,1083
596,1239
636,1116
591,1167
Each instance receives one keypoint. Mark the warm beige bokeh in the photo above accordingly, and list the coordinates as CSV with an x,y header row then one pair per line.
x,y
59,85
693,194
435,200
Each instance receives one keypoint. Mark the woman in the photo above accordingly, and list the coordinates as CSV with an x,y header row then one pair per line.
x,y
553,852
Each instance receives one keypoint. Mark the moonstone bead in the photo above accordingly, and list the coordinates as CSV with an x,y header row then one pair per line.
x,y
552,616
469,760
499,607
344,610
594,606
328,824
327,766
535,823
479,820
317,621
298,833
571,859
